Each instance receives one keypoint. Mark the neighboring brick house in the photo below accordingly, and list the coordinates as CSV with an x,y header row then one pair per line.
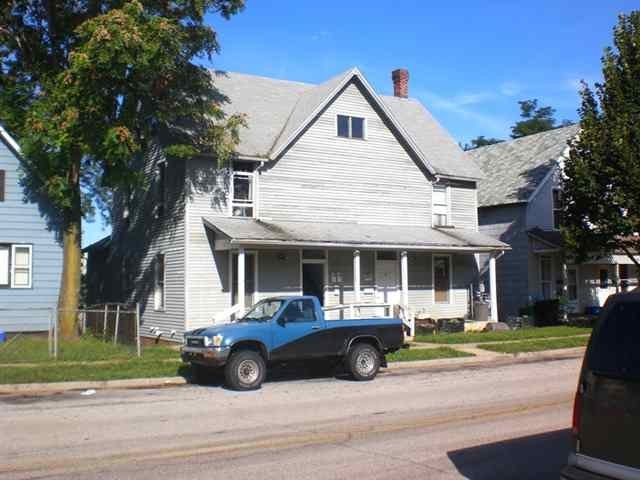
x,y
520,203
335,191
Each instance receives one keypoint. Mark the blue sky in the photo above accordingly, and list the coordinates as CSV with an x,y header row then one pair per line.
x,y
470,61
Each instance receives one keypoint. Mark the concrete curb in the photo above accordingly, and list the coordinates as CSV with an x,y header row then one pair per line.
x,y
487,361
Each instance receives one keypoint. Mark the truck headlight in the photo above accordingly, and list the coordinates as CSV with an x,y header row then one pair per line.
x,y
217,340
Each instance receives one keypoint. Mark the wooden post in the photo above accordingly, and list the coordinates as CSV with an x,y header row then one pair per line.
x,y
104,327
404,277
493,287
356,275
55,336
115,331
84,321
240,286
139,351
50,334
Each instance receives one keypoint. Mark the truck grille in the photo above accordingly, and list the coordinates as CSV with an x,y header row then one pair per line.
x,y
195,341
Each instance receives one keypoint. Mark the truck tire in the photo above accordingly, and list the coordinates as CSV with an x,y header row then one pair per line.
x,y
245,370
363,361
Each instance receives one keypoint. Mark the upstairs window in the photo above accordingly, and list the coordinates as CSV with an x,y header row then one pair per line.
x,y
15,266
350,127
558,207
161,185
440,207
5,265
243,190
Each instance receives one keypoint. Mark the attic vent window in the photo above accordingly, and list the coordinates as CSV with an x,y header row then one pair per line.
x,y
350,127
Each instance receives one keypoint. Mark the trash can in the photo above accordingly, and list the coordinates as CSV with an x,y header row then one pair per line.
x,y
481,311
3,337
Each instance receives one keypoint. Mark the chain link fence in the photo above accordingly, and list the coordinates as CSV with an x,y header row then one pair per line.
x,y
104,330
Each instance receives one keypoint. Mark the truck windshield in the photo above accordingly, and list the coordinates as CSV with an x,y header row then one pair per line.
x,y
262,311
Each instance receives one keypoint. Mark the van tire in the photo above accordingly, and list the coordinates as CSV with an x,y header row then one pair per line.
x,y
363,361
245,370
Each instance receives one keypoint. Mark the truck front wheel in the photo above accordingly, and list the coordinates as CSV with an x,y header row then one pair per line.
x,y
363,361
245,370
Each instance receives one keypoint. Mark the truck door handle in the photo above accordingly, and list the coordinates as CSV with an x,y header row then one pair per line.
x,y
315,327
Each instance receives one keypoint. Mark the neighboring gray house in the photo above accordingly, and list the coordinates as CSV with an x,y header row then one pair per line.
x,y
520,203
30,256
335,191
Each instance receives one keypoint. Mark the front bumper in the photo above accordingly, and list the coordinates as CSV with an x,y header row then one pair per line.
x,y
210,356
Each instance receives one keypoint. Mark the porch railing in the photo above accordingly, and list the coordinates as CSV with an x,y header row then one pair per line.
x,y
354,310
226,315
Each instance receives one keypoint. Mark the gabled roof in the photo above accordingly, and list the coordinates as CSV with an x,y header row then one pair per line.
x,y
278,111
250,231
513,170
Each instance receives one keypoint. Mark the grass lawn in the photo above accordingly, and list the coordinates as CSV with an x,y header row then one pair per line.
x,y
536,345
31,349
61,372
408,355
523,334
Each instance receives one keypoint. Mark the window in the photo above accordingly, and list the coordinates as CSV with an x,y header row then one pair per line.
x,y
558,208
572,284
5,265
387,255
440,209
159,273
545,277
2,183
313,254
350,127
299,311
441,279
15,266
243,189
162,189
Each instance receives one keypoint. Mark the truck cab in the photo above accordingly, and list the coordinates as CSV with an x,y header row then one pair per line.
x,y
279,329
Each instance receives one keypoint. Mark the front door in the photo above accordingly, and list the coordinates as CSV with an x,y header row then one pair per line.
x,y
387,278
313,280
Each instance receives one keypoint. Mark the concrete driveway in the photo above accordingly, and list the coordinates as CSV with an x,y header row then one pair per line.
x,y
504,422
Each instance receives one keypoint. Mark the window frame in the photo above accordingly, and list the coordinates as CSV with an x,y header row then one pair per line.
x,y
7,246
252,204
542,281
3,185
12,272
161,179
575,285
446,206
159,303
350,128
559,210
301,319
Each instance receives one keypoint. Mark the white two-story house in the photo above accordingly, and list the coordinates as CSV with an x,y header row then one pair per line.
x,y
335,191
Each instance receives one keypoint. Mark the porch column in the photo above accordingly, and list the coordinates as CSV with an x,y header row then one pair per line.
x,y
565,290
493,288
404,278
240,279
356,275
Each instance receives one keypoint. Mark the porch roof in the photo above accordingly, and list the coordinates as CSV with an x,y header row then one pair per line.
x,y
249,231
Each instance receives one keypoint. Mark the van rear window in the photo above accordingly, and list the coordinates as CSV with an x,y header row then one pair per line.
x,y
615,348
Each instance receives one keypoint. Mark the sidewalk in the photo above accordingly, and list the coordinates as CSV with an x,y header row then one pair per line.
x,y
482,359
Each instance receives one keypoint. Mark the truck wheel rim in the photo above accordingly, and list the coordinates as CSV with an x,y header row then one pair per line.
x,y
248,371
365,363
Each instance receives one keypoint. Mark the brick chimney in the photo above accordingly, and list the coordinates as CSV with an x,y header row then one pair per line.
x,y
400,79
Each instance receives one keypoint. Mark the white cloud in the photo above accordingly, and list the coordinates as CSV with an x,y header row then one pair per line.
x,y
509,89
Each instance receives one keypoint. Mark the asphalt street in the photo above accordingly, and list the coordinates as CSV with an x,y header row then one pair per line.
x,y
478,423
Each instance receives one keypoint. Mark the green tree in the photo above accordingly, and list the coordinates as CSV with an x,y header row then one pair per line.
x,y
535,119
601,188
481,141
87,84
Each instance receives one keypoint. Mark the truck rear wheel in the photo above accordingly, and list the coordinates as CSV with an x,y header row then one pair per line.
x,y
363,361
245,370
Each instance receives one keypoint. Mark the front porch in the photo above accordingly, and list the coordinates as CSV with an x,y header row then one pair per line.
x,y
426,279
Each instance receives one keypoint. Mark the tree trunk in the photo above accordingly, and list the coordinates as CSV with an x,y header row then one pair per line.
x,y
70,285
69,298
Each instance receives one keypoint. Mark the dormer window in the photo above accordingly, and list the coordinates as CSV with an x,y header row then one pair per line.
x,y
350,127
243,189
440,206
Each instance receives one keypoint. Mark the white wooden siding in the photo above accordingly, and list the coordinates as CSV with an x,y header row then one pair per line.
x,y
323,177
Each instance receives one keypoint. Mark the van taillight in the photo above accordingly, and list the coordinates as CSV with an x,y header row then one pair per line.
x,y
577,412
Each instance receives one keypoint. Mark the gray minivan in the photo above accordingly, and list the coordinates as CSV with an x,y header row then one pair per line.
x,y
606,412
